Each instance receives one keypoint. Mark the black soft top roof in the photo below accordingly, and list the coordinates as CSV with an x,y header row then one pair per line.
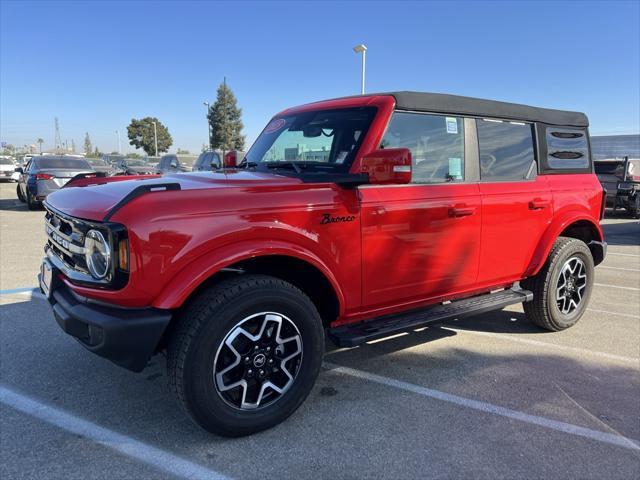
x,y
454,104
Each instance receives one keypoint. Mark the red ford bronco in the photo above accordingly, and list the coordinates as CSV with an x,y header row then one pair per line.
x,y
361,217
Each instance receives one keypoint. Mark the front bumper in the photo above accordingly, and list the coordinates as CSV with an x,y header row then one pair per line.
x,y
127,337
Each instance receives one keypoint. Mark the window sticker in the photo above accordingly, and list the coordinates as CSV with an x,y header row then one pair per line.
x,y
275,125
452,125
455,168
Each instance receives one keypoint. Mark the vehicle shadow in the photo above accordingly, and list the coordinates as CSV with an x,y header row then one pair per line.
x,y
42,362
12,204
622,233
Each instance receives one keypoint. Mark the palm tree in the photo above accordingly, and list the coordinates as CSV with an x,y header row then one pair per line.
x,y
40,141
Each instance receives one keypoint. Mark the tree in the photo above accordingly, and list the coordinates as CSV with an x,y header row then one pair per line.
x,y
87,144
141,135
225,121
40,141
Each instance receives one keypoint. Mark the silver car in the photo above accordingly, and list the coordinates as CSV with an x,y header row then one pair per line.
x,y
46,174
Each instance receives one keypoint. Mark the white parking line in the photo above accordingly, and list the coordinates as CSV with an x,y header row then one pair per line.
x,y
485,407
628,315
155,457
600,267
633,289
581,351
623,254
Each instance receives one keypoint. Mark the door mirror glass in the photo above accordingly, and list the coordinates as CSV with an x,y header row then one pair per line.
x,y
388,166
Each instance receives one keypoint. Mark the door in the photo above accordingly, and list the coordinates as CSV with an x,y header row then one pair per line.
x,y
421,240
516,202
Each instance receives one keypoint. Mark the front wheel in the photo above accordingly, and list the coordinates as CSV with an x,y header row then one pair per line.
x,y
562,288
19,194
245,354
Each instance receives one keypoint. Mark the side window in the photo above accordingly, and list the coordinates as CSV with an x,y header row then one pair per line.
x,y
213,158
436,143
506,150
567,148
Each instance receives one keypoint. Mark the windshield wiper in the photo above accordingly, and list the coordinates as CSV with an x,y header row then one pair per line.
x,y
293,165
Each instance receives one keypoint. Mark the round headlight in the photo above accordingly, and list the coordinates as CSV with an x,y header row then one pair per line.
x,y
97,254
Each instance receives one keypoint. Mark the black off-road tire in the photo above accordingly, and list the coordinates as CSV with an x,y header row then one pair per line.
x,y
543,310
634,206
19,193
203,326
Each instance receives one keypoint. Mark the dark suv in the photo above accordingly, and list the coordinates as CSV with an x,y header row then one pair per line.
x,y
621,180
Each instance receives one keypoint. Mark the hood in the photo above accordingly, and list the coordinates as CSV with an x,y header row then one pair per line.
x,y
96,200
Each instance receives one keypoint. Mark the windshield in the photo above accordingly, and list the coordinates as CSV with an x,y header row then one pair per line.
x,y
6,161
322,139
69,163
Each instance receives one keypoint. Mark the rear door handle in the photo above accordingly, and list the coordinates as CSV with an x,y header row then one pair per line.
x,y
538,204
461,211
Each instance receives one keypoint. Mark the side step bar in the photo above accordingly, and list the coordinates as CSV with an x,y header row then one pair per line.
x,y
356,334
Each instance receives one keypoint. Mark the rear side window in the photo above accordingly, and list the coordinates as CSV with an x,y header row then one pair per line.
x,y
506,150
567,148
436,143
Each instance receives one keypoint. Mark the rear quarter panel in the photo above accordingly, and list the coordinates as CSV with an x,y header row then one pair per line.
x,y
576,197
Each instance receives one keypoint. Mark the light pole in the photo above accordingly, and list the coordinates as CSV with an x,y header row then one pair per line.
x,y
118,134
155,136
206,104
361,48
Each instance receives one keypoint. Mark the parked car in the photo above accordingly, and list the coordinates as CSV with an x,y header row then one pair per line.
x,y
7,168
172,163
112,158
133,166
100,165
45,174
621,180
207,162
362,217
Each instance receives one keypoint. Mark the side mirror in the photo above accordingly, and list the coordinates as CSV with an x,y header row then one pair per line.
x,y
19,170
388,166
174,163
231,159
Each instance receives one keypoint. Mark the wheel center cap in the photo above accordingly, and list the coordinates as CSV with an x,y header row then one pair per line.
x,y
259,360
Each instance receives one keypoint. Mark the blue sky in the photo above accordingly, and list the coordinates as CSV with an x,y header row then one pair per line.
x,y
95,65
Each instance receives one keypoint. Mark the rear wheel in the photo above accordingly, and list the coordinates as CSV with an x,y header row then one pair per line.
x,y
245,354
19,193
562,288
32,204
634,206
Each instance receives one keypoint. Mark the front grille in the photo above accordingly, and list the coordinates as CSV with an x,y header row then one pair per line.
x,y
66,240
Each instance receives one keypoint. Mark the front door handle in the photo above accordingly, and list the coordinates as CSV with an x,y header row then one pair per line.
x,y
538,204
461,211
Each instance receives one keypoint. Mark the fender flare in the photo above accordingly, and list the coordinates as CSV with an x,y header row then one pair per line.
x,y
185,282
553,231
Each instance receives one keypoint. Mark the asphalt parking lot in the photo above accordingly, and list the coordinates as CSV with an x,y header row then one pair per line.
x,y
487,397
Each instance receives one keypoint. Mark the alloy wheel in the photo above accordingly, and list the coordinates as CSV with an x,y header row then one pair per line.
x,y
258,361
571,285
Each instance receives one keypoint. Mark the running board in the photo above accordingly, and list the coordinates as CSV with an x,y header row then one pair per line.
x,y
356,334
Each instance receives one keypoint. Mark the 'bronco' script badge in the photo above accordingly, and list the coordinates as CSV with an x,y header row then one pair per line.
x,y
327,218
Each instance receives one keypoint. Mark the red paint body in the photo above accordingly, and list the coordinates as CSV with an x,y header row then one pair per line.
x,y
409,245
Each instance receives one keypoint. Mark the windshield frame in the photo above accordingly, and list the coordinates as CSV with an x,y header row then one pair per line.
x,y
310,165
